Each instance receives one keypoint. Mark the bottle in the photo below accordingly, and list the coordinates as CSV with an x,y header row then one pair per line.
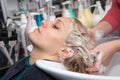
x,y
81,16
31,22
39,18
44,13
71,11
65,12
84,14
51,16
31,26
108,5
98,13
22,29
88,13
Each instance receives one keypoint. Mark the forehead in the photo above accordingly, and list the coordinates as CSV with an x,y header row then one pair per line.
x,y
66,22
64,19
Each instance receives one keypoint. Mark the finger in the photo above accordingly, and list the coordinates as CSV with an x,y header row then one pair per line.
x,y
95,68
95,73
92,69
102,69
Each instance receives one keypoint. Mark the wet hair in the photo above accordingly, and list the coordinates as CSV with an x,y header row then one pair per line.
x,y
79,41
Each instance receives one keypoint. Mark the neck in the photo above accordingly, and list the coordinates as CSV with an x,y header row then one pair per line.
x,y
37,54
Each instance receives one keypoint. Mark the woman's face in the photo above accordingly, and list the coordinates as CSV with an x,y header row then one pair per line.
x,y
51,35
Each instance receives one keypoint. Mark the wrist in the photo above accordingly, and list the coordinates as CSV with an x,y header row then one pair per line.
x,y
103,27
116,45
99,34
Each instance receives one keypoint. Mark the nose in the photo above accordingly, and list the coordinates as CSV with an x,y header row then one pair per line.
x,y
46,23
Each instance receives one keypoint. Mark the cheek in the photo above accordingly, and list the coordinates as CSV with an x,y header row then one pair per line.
x,y
55,40
47,39
33,38
52,39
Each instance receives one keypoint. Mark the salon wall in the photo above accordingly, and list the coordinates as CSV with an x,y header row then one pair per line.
x,y
12,6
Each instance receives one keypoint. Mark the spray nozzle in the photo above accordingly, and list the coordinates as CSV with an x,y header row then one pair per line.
x,y
42,9
44,13
53,7
34,13
51,15
31,24
37,0
48,0
49,3
108,2
93,6
97,4
66,2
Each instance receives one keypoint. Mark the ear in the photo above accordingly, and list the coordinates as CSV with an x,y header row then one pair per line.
x,y
66,52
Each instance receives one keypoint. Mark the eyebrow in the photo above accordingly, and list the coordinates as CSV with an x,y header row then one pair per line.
x,y
61,22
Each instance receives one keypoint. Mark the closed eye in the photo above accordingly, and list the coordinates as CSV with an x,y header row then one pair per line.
x,y
54,26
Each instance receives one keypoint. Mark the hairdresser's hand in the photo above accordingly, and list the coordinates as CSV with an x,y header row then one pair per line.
x,y
103,54
95,34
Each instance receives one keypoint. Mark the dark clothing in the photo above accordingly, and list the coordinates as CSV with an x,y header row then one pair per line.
x,y
32,73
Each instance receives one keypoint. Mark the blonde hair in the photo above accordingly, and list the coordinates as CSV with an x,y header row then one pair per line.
x,y
79,41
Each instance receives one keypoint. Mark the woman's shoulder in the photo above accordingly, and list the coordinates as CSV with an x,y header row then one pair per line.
x,y
35,73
